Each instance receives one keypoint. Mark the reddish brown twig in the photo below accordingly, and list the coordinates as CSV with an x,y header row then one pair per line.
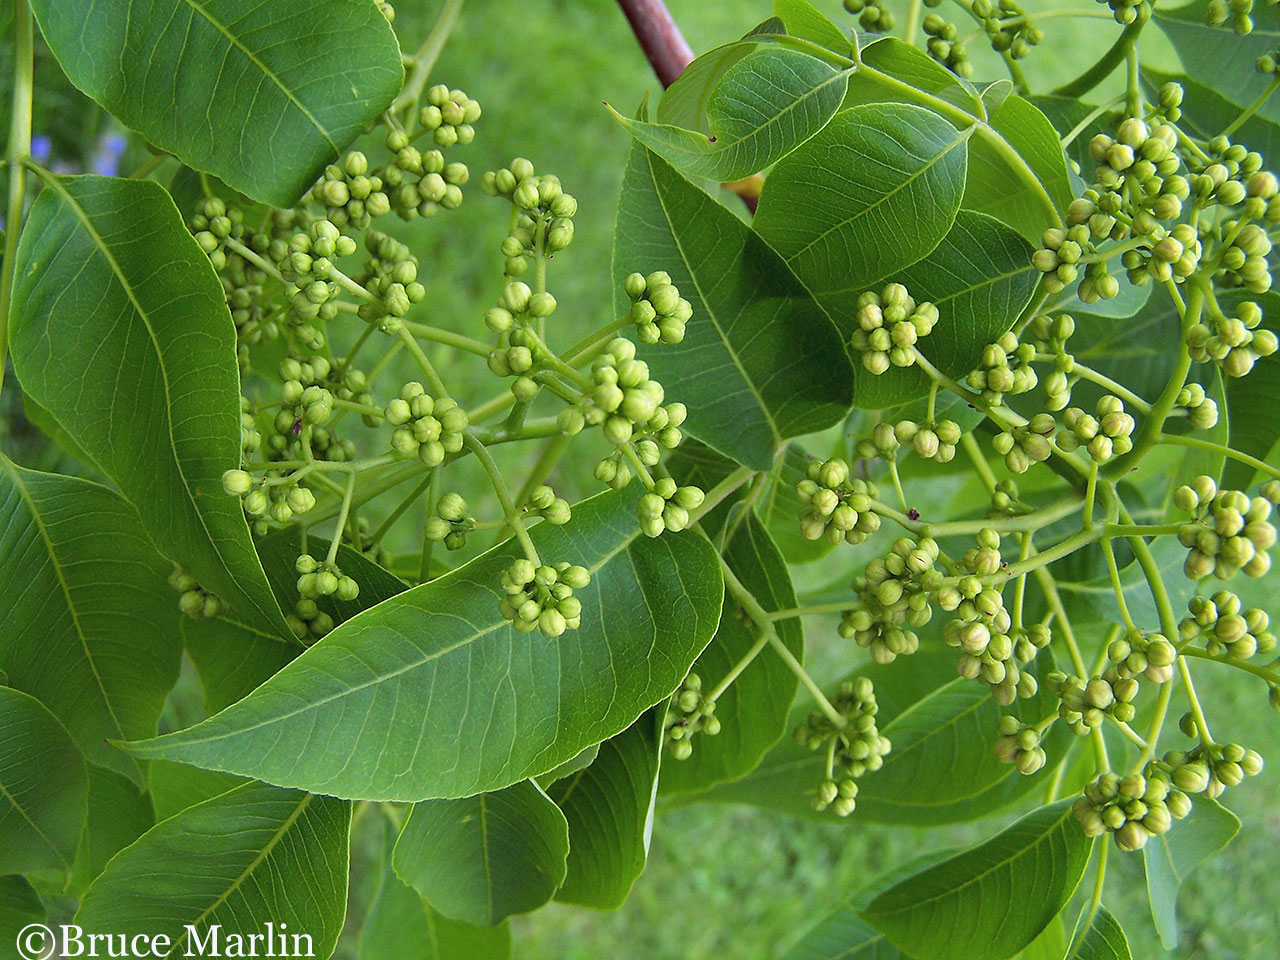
x,y
659,37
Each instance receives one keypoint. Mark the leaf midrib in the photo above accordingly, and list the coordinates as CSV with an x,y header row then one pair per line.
x,y
87,224
66,588
266,71
262,854
711,314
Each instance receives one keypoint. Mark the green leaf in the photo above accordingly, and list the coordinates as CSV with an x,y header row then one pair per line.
x,y
1050,945
481,859
1170,858
684,103
433,694
232,659
573,765
895,63
1250,401
876,190
261,95
1223,60
609,806
20,906
90,623
762,108
996,188
118,815
280,858
401,924
992,900
85,274
843,935
760,361
753,712
43,787
802,19
175,787
979,277
1104,940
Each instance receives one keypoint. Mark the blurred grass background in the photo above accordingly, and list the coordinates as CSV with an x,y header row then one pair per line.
x,y
728,882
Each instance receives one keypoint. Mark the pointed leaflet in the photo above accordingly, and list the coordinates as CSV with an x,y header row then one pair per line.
x,y
175,786
20,906
43,787
401,924
263,95
764,106
280,857
609,806
979,277
992,900
90,623
843,935
684,103
433,694
481,859
871,194
803,19
1170,858
759,362
138,366
894,70
1104,940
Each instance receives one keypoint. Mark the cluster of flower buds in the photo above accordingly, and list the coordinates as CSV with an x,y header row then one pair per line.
x,y
1133,808
1225,628
276,497
627,403
1150,655
1083,704
1005,368
449,116
856,747
889,324
873,15
318,579
667,506
196,603
390,275
426,427
350,193
657,309
1103,436
1019,744
835,507
451,522
1202,410
540,597
1023,446
543,218
689,712
420,184
943,44
1230,532
1210,768
1233,343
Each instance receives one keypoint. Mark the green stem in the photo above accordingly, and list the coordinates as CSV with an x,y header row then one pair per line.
x,y
584,346
19,150
1085,372
1045,557
447,337
1253,108
1025,522
149,166
1113,570
1093,115
545,464
428,545
1082,84
746,599
815,610
426,56
1090,493
735,671
1226,451
1271,676
721,490
1132,89
1153,423
398,512
980,465
343,512
424,364
509,509
1197,712
913,21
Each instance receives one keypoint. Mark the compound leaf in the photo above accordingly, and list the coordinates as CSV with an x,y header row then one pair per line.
x,y
90,623
281,858
481,859
433,694
760,362
263,95
138,365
